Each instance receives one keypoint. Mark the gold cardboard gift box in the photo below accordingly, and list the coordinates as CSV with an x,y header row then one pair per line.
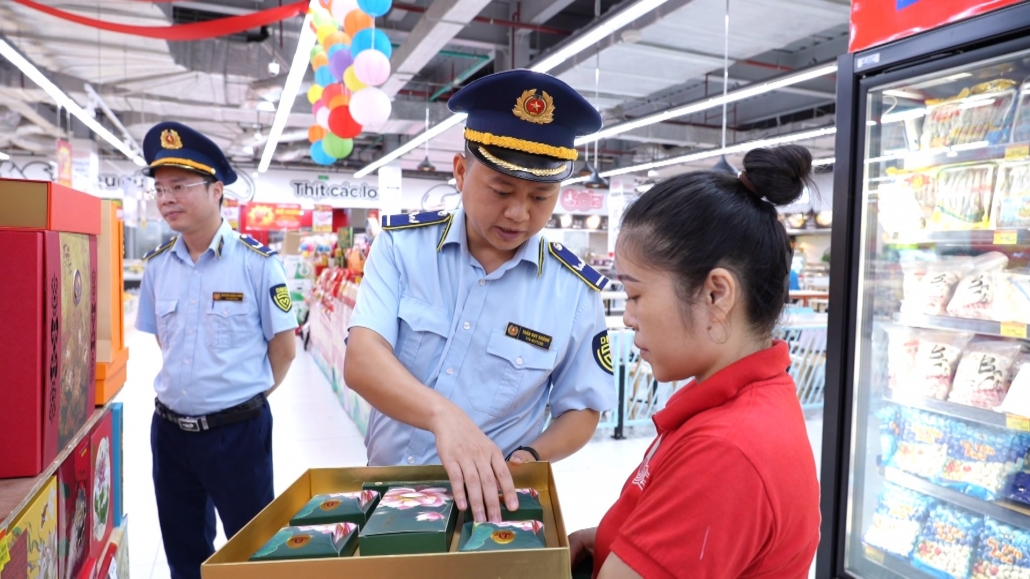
x,y
231,561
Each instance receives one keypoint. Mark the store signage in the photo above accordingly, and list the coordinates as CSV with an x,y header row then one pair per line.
x,y
322,219
64,163
273,217
582,200
876,22
231,212
326,190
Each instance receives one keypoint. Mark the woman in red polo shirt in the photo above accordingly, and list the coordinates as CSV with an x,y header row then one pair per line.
x,y
728,488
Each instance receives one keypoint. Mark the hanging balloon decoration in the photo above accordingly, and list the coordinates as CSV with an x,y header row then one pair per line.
x,y
350,60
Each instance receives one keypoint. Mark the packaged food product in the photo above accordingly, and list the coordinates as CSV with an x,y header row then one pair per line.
x,y
1021,124
923,443
899,517
1019,490
1017,401
1003,551
936,361
1012,297
902,345
945,546
310,542
354,507
980,113
929,286
890,429
974,295
1011,205
962,199
981,460
984,373
508,535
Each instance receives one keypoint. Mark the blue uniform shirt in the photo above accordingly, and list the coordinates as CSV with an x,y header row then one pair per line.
x,y
499,346
214,319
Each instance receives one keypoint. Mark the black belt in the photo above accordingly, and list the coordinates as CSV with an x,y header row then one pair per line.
x,y
249,409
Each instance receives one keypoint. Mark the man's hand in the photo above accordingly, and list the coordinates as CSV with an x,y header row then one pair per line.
x,y
581,545
473,463
521,457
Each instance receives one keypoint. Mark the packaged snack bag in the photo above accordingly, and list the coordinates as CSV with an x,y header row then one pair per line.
x,y
929,286
1017,401
890,430
1012,297
900,515
984,374
1003,551
946,545
936,361
923,443
974,295
982,460
1011,206
963,199
902,345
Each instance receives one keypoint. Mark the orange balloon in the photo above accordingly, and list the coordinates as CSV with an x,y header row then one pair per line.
x,y
342,100
316,133
338,37
319,60
356,20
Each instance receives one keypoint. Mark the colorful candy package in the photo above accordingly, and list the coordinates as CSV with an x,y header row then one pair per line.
x,y
981,460
923,444
946,545
890,430
900,514
1004,551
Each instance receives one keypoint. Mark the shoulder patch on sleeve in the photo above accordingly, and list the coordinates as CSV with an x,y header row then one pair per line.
x,y
257,246
410,220
160,249
576,265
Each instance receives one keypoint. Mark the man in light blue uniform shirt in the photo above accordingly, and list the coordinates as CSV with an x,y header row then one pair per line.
x,y
219,306
469,325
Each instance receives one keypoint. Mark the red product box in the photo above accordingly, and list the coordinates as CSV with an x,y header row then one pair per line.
x,y
46,205
49,362
74,518
102,501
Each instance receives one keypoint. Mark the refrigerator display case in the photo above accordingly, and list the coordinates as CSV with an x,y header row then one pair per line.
x,y
927,425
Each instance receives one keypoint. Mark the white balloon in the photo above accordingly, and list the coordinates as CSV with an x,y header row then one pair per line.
x,y
372,67
370,107
340,8
322,116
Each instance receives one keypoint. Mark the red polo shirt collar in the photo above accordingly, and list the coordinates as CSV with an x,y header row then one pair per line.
x,y
723,385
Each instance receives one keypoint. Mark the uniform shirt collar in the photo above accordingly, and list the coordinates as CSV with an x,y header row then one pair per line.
x,y
455,234
219,244
724,385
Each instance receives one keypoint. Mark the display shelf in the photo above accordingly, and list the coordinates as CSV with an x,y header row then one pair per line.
x,y
971,153
982,327
16,493
1005,511
894,563
968,413
803,232
997,237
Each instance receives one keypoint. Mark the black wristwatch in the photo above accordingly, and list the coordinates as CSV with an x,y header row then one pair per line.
x,y
529,449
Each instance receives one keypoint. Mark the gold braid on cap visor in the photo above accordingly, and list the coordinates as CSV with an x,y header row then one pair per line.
x,y
183,163
523,145
513,167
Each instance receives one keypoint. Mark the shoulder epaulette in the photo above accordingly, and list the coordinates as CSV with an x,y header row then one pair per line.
x,y
161,249
256,246
576,265
409,220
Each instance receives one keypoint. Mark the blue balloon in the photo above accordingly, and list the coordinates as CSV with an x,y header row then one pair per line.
x,y
371,38
375,8
318,154
324,76
336,48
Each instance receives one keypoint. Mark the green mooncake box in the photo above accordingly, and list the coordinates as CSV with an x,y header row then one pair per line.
x,y
382,486
505,536
331,508
410,519
529,507
310,542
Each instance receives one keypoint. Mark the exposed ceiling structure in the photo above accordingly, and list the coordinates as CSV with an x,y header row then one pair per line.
x,y
226,87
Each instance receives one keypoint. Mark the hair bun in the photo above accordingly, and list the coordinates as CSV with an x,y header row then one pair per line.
x,y
779,174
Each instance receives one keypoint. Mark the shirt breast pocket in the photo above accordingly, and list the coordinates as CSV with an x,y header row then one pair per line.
x,y
167,319
227,325
422,335
513,369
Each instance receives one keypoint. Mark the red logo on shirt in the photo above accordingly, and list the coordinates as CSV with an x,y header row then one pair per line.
x,y
644,472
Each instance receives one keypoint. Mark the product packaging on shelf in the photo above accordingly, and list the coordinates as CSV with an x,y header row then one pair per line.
x,y
117,474
111,271
974,295
1021,124
962,198
929,286
1017,401
982,460
32,544
102,501
979,114
1011,207
75,521
409,520
505,536
947,542
984,373
120,537
1012,297
111,376
899,518
232,560
45,205
902,346
890,431
936,360
49,278
1003,551
106,564
331,508
923,444
310,542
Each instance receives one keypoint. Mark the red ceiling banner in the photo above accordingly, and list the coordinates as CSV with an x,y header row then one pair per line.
x,y
876,22
182,32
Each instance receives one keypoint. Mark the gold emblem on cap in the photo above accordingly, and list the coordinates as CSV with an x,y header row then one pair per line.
x,y
170,139
533,108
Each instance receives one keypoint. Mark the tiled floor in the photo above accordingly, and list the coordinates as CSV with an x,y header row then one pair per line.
x,y
311,430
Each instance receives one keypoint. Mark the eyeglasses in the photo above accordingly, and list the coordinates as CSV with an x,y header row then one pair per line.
x,y
177,190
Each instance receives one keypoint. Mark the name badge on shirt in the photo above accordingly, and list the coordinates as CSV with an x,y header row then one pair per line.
x,y
227,297
529,336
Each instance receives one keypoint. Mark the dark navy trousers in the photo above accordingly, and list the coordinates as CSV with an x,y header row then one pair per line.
x,y
227,468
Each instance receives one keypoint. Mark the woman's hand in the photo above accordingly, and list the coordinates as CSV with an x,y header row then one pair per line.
x,y
581,545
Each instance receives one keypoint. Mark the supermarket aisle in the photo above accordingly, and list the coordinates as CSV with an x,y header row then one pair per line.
x,y
311,430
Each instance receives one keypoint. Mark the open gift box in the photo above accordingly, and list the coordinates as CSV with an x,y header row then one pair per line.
x,y
232,560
